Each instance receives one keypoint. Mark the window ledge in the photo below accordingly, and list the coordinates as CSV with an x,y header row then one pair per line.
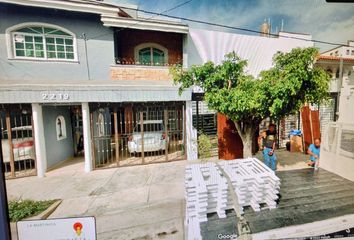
x,y
44,60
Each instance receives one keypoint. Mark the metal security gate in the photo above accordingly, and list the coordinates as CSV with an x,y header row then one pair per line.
x,y
205,122
17,141
139,133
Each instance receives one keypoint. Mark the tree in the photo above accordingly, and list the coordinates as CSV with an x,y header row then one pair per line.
x,y
278,92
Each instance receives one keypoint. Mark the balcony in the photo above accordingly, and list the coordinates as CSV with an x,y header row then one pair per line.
x,y
146,55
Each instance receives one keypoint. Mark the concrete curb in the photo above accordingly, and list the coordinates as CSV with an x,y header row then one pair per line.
x,y
47,212
44,215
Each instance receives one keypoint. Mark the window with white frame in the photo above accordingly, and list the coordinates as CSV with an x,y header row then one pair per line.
x,y
60,127
40,42
151,54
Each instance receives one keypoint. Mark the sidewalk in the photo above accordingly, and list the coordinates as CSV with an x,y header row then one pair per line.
x,y
140,202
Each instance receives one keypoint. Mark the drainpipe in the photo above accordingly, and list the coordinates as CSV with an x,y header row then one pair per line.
x,y
86,57
4,211
340,84
197,110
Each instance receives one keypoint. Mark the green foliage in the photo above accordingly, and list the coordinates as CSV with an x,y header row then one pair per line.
x,y
293,81
204,146
19,210
280,91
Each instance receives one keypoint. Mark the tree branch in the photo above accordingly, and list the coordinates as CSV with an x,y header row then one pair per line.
x,y
239,130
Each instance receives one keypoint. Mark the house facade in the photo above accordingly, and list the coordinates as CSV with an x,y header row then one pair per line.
x,y
88,77
340,69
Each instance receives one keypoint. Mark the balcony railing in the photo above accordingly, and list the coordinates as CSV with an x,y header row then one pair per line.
x,y
130,61
128,69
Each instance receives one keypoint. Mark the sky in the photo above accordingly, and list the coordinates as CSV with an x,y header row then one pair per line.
x,y
332,22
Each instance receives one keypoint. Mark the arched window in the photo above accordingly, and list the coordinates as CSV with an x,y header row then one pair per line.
x,y
42,42
151,54
60,128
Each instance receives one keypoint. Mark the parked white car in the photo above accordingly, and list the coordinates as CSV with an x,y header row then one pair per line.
x,y
154,137
23,147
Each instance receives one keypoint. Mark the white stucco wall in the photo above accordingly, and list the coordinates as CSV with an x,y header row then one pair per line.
x,y
191,134
205,45
337,150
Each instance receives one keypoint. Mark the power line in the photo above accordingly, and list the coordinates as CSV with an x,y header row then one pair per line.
x,y
235,28
161,13
177,6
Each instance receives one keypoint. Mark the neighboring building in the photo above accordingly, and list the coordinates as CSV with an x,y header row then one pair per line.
x,y
342,51
327,112
259,51
337,150
340,69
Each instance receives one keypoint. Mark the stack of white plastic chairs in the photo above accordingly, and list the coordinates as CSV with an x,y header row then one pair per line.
x,y
207,189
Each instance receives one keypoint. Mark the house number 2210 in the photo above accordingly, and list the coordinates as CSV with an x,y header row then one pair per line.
x,y
55,96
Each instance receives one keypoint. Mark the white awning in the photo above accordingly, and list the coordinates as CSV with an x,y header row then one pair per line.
x,y
91,91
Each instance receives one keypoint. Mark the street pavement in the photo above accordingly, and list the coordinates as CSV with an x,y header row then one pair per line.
x,y
131,203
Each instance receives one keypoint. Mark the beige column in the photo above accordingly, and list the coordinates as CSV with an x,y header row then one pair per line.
x,y
87,136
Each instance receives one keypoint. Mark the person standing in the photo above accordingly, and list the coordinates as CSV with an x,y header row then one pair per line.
x,y
314,152
269,140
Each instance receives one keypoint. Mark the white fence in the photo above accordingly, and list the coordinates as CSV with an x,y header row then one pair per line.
x,y
337,150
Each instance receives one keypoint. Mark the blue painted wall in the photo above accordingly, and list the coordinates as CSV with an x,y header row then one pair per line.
x,y
57,150
100,46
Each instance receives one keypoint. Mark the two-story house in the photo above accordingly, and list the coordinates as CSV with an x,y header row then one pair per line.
x,y
338,62
87,76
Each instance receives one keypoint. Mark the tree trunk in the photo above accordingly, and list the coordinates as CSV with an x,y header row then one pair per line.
x,y
247,145
246,132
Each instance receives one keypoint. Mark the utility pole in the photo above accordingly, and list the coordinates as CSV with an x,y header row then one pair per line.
x,y
4,211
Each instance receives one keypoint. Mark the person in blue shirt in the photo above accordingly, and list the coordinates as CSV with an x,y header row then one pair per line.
x,y
314,152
